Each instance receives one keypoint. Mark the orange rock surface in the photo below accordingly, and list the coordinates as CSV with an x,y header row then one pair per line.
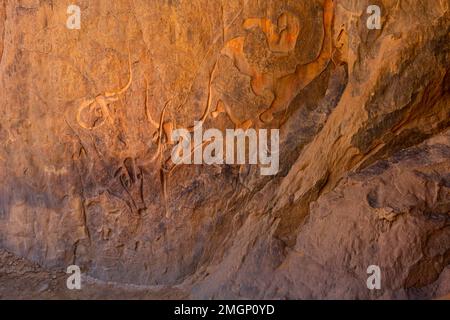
x,y
85,145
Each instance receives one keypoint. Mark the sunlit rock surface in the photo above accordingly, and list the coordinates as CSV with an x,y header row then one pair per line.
x,y
364,179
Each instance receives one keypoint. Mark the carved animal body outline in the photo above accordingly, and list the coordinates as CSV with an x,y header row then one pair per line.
x,y
288,87
126,175
284,88
281,39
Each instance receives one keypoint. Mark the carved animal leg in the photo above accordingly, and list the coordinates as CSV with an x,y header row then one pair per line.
x,y
340,52
207,110
147,111
220,108
208,102
246,124
160,132
168,129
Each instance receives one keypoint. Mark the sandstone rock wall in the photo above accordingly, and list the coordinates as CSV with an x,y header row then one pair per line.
x,y
364,179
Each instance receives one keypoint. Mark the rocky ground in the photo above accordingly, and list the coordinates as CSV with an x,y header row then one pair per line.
x,y
22,279
87,178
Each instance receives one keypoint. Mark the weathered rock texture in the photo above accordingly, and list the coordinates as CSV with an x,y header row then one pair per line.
x,y
364,151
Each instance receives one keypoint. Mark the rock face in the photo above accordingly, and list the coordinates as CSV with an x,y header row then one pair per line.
x,y
364,179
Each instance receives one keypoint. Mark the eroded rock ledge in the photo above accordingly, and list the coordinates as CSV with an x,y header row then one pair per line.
x,y
364,151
